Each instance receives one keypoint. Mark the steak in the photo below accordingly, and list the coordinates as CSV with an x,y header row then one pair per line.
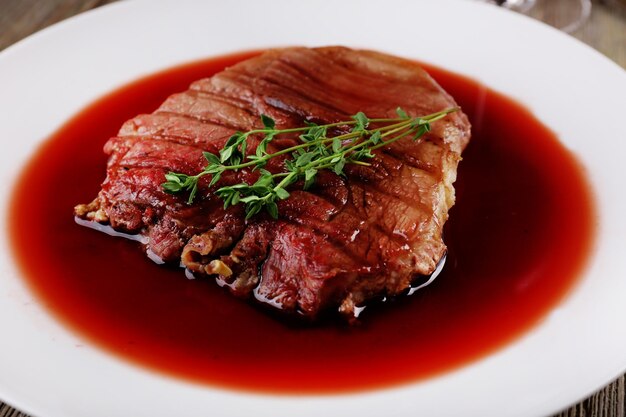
x,y
344,242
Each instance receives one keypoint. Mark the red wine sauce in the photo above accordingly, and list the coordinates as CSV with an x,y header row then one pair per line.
x,y
518,239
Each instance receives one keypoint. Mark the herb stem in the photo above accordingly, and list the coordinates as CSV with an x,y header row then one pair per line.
x,y
317,151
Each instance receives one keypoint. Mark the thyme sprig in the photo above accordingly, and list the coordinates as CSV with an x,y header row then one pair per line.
x,y
316,151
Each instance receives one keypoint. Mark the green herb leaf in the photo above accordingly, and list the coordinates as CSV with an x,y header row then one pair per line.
x,y
401,113
250,198
268,122
252,209
211,158
362,122
175,178
376,138
171,187
192,194
265,179
272,209
336,145
309,178
226,153
282,193
233,139
261,149
304,159
338,168
421,130
216,177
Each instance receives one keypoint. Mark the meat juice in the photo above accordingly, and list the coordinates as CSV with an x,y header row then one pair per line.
x,y
518,238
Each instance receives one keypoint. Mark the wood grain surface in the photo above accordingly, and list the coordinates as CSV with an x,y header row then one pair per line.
x,y
604,31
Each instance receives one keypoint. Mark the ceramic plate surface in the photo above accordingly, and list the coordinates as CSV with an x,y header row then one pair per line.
x,y
49,371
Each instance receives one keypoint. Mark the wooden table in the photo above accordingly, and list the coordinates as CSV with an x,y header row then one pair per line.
x,y
605,31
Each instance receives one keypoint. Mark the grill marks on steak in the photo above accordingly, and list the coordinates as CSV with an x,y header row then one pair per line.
x,y
339,245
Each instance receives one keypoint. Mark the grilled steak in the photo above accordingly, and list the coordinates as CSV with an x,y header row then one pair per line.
x,y
338,245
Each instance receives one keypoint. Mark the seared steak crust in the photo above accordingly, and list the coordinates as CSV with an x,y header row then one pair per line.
x,y
338,245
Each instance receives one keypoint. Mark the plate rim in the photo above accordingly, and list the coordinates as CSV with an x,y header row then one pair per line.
x,y
325,403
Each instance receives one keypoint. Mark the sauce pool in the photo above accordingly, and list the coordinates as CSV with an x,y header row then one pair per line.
x,y
518,238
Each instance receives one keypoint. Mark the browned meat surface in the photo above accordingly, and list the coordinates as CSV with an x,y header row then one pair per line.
x,y
338,245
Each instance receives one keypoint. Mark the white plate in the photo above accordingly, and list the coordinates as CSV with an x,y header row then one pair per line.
x,y
578,93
